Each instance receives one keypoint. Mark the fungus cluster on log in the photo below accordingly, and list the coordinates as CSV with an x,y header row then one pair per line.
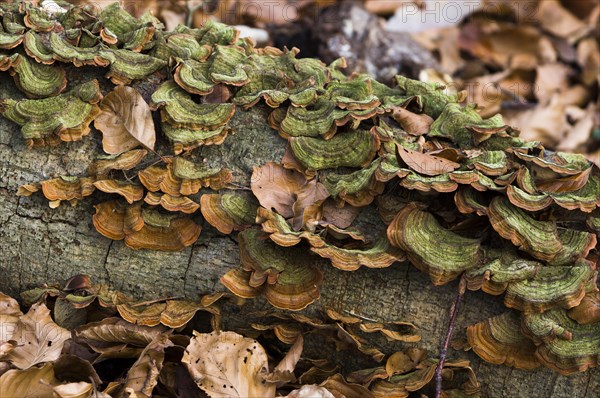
x,y
455,194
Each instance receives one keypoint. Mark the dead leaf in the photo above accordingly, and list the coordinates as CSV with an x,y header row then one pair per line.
x,y
9,306
276,187
501,44
71,368
143,375
284,371
310,391
426,164
226,364
413,123
39,339
288,192
554,18
288,363
116,338
546,123
551,78
340,387
9,317
6,346
30,383
307,207
125,121
588,56
79,389
341,217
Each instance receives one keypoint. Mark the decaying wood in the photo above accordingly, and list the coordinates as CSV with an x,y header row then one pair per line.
x,y
39,244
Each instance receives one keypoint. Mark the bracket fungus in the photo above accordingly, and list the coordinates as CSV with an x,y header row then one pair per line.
x,y
445,254
563,344
144,228
66,188
65,117
461,195
499,341
350,149
38,80
183,177
180,111
286,276
228,212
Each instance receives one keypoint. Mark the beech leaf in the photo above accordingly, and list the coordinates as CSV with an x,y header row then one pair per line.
x,y
310,391
30,383
426,164
125,121
9,317
284,371
226,364
38,338
143,375
413,123
288,192
276,187
288,363
398,363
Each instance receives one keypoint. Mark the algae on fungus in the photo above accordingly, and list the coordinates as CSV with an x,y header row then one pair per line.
x,y
463,196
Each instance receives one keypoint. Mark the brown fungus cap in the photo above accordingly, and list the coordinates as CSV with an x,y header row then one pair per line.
x,y
588,310
131,192
143,228
565,345
498,340
67,188
172,203
287,277
228,212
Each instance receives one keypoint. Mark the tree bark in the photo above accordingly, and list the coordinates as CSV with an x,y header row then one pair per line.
x,y
39,245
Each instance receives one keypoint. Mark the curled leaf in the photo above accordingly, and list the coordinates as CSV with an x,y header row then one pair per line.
x,y
125,121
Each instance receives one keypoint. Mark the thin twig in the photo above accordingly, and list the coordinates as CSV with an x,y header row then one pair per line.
x,y
444,351
150,302
236,187
364,318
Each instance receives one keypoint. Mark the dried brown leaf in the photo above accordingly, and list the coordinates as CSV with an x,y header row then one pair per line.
x,y
276,187
288,192
125,121
341,217
310,391
226,364
413,123
426,164
79,389
143,375
9,317
30,383
39,339
288,363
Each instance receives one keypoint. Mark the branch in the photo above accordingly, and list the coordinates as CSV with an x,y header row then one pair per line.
x,y
444,350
